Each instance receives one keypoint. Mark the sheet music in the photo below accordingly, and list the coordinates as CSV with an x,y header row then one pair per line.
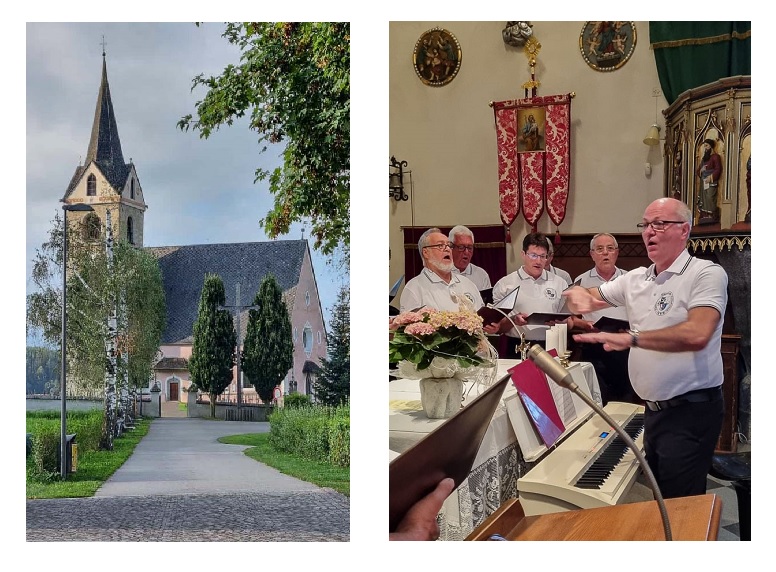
x,y
563,402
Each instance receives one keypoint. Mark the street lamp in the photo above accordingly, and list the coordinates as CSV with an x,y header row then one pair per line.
x,y
237,308
77,207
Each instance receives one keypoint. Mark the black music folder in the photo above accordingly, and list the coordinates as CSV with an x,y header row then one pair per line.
x,y
395,289
487,295
506,304
541,318
448,451
612,325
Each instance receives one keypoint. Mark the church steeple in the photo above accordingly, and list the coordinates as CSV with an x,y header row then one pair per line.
x,y
104,144
104,181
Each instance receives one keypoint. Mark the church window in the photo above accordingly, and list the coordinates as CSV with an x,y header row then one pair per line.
x,y
132,188
130,231
91,186
307,298
307,339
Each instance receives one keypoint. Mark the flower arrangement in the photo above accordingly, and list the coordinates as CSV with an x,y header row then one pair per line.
x,y
434,343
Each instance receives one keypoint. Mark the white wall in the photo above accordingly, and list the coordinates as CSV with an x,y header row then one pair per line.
x,y
447,134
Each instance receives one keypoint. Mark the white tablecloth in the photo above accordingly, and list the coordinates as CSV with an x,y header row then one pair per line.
x,y
499,462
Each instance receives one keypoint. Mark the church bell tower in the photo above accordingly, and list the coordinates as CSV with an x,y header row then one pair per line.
x,y
104,181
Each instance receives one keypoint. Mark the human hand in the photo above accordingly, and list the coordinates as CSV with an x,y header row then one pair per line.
x,y
420,521
580,301
612,341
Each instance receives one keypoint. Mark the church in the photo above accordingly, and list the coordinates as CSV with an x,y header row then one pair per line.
x,y
106,183
568,129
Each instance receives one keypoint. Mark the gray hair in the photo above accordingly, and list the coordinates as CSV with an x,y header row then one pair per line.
x,y
423,240
592,241
460,229
550,250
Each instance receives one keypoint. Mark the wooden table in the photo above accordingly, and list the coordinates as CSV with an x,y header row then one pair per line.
x,y
690,518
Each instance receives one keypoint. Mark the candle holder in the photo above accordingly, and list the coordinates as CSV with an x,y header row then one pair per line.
x,y
523,347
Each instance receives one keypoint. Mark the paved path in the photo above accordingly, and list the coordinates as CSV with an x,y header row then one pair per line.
x,y
181,484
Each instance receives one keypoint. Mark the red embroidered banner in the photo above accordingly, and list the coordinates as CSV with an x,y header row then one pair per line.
x,y
508,188
534,157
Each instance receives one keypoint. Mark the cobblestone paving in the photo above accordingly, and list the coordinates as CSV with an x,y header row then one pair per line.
x,y
307,516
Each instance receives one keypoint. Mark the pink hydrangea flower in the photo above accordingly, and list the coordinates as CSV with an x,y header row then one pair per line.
x,y
420,329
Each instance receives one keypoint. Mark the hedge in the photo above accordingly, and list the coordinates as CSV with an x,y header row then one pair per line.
x,y
314,432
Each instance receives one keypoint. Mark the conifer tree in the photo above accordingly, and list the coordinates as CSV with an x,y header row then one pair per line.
x,y
268,351
332,387
213,351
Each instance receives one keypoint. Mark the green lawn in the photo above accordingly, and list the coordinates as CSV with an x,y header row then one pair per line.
x,y
316,472
93,468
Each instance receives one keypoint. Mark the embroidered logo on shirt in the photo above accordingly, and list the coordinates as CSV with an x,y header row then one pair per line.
x,y
550,293
664,303
470,297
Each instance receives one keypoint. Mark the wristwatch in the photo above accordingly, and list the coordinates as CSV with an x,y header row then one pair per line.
x,y
634,334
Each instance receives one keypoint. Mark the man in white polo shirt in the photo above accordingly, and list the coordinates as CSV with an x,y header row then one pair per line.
x,y
676,309
436,286
611,367
540,291
462,240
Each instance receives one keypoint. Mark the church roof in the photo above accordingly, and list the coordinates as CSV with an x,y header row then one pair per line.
x,y
104,145
183,271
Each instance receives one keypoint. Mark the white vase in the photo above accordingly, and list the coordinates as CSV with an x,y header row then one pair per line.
x,y
441,397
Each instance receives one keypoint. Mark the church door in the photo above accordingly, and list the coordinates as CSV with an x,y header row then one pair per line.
x,y
173,391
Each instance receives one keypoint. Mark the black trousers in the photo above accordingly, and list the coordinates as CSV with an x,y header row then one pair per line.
x,y
679,444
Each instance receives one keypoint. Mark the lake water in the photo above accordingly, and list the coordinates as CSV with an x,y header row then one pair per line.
x,y
56,404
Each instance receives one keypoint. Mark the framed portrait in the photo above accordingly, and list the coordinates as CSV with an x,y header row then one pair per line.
x,y
437,57
607,46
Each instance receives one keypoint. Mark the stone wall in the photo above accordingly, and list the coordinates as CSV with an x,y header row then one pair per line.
x,y
200,408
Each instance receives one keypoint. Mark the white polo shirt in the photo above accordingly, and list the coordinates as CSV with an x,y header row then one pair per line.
x,y
428,289
656,302
562,273
592,279
536,295
476,275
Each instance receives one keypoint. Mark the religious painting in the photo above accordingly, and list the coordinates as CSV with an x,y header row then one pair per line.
x,y
531,124
437,57
607,46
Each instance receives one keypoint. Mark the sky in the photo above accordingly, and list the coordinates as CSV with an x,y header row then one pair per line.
x,y
198,191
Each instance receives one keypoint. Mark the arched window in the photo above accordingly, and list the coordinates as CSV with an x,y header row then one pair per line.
x,y
307,339
319,337
92,228
132,188
296,334
91,186
307,298
130,231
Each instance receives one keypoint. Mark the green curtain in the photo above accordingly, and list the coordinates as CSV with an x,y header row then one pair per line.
x,y
691,54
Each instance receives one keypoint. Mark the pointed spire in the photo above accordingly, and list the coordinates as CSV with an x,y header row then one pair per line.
x,y
104,145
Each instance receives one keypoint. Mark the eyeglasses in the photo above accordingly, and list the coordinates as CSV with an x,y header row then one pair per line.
x,y
534,256
657,225
461,247
440,246
602,249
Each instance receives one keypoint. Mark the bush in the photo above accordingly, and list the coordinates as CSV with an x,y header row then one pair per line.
x,y
45,453
45,429
296,400
315,432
